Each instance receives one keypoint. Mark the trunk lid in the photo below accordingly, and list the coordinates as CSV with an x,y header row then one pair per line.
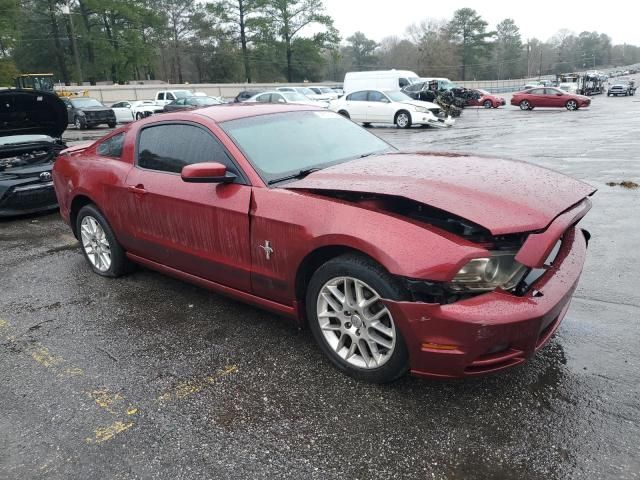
x,y
503,196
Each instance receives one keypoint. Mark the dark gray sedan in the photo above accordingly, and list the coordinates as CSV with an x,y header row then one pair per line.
x,y
189,103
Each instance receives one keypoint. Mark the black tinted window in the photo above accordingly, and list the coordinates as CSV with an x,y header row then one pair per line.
x,y
377,97
170,147
358,97
111,147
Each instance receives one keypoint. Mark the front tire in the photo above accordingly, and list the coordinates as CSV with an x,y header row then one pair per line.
x,y
403,119
487,104
139,116
112,125
99,245
344,113
351,324
571,105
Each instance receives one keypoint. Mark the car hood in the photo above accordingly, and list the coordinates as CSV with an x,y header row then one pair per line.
x,y
420,103
503,196
94,109
31,112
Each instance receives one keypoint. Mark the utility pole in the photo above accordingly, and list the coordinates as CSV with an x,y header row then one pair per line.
x,y
66,9
540,67
528,55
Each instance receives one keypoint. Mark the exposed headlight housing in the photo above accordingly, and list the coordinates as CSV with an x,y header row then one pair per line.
x,y
500,270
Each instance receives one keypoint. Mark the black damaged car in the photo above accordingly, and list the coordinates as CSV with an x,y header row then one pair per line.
x,y
86,112
31,127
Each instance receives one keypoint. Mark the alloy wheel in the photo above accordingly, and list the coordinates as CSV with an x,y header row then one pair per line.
x,y
95,243
355,323
78,123
572,105
403,120
525,105
487,104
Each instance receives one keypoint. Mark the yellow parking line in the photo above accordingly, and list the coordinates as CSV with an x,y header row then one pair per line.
x,y
102,434
189,387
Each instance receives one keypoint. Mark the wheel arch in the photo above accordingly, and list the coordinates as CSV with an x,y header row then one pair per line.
x,y
77,203
314,260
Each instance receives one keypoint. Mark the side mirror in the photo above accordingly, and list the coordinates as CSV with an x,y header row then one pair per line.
x,y
207,172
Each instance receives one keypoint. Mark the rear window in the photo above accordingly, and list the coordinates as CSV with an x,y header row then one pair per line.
x,y
112,146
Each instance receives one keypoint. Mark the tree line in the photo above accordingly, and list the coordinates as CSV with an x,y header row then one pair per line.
x,y
192,41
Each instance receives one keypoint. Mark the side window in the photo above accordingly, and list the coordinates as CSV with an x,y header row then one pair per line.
x,y
111,147
180,101
357,96
550,91
537,91
277,98
169,147
377,97
403,82
117,105
161,96
263,98
170,96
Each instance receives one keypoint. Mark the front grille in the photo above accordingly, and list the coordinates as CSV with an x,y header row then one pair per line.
x,y
36,197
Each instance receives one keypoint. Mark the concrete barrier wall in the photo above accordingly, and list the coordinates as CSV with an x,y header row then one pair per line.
x,y
115,93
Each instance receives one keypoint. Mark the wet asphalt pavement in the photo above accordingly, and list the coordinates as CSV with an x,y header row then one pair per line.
x,y
149,377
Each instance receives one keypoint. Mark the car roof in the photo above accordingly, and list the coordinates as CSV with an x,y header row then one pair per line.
x,y
235,111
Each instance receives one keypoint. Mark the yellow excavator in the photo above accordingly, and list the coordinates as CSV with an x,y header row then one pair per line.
x,y
44,81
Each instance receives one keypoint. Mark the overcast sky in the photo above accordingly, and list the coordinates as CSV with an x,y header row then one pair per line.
x,y
541,19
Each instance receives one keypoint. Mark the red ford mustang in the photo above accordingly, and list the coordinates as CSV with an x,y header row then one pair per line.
x,y
549,97
445,265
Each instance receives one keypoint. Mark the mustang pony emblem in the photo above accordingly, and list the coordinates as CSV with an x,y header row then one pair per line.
x,y
267,249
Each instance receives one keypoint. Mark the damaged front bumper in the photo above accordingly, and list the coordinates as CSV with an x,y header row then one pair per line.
x,y
492,331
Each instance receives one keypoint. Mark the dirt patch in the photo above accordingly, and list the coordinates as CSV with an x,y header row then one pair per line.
x,y
624,184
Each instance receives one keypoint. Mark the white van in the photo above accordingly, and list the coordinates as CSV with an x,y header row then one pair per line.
x,y
385,80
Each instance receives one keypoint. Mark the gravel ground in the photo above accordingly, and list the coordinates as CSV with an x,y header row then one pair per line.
x,y
148,377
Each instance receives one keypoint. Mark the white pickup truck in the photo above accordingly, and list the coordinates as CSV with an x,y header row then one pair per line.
x,y
163,97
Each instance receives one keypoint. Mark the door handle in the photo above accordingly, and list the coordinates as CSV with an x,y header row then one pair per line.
x,y
138,189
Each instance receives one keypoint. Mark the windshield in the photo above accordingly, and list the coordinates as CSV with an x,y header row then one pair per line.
x,y
85,102
413,80
398,96
206,101
182,93
307,91
326,90
294,97
282,144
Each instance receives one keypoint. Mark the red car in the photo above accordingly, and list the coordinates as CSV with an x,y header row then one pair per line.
x,y
486,100
446,265
549,97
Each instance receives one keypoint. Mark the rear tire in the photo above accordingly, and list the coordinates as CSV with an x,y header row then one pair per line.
x,y
339,337
95,235
366,125
525,105
80,123
112,125
139,116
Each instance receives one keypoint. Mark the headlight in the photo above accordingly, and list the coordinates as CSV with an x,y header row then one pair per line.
x,y
421,110
486,274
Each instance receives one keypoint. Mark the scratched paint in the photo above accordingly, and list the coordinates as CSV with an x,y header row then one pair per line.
x,y
102,434
192,386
